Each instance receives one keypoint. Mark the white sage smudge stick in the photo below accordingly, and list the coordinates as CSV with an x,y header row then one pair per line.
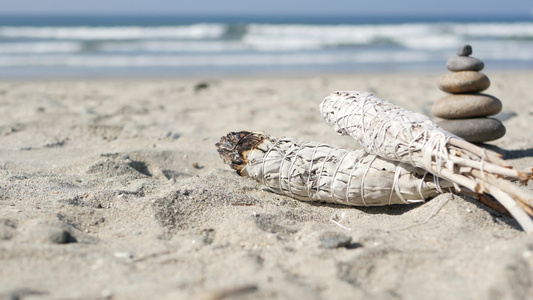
x,y
391,132
312,171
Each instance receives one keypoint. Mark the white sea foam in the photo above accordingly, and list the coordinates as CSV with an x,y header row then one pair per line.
x,y
416,35
41,47
501,30
172,46
198,31
282,43
342,34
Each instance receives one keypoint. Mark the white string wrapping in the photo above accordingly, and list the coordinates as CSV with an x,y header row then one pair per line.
x,y
312,171
391,132
385,129
406,158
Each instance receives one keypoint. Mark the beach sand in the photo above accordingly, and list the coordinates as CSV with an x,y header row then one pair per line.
x,y
113,189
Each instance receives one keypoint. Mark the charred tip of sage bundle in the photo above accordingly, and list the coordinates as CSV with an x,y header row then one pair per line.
x,y
234,147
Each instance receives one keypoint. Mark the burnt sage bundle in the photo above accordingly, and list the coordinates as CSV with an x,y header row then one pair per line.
x,y
405,158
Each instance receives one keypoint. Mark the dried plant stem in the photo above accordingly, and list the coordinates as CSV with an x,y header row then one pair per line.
x,y
480,152
517,193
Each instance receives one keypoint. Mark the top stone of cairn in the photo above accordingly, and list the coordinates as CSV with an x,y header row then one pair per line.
x,y
465,50
464,62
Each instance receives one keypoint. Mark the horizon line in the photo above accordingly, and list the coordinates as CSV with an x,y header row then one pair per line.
x,y
198,14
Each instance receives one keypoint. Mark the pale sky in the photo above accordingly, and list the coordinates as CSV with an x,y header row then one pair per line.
x,y
269,7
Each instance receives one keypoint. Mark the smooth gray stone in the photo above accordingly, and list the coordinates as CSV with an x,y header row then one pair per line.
x,y
462,106
464,50
475,130
463,82
464,63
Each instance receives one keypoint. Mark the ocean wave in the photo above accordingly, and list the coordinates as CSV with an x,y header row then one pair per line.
x,y
280,43
41,47
262,37
172,46
261,45
414,36
196,31
519,30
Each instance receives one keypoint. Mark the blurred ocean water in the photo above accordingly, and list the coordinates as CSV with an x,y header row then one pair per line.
x,y
44,47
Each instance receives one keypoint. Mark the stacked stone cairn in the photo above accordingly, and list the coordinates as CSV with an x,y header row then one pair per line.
x,y
465,111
